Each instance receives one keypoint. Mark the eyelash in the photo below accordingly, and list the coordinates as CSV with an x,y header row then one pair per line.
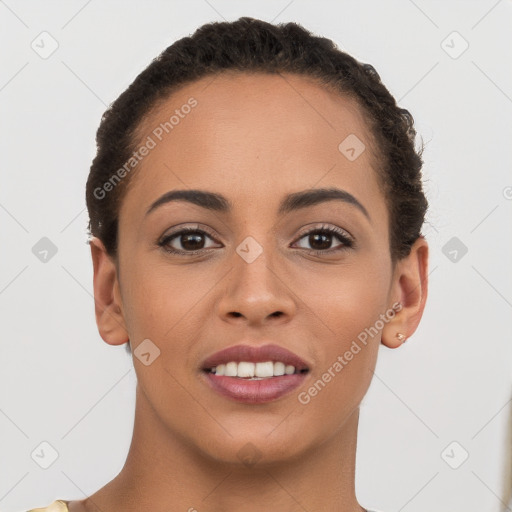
x,y
339,233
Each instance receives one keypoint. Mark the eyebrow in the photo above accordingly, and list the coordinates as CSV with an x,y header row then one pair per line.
x,y
292,202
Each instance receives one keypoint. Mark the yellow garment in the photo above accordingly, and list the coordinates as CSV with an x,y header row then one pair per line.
x,y
56,506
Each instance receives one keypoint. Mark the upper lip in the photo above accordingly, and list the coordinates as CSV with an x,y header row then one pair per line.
x,y
254,354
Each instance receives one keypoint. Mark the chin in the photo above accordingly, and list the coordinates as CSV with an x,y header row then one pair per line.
x,y
256,448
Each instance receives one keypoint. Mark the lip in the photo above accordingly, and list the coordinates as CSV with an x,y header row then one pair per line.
x,y
254,391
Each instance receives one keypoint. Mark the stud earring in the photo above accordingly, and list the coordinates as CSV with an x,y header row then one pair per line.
x,y
401,337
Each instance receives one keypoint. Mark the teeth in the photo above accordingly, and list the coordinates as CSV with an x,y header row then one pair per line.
x,y
279,368
288,369
247,370
264,369
231,369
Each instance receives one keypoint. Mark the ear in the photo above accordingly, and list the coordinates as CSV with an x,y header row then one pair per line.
x,y
107,296
410,288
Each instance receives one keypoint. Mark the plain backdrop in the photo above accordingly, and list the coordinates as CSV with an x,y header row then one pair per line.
x,y
435,426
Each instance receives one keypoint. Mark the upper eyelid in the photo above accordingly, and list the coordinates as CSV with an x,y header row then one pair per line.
x,y
324,226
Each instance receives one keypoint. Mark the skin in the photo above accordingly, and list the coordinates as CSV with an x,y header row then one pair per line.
x,y
254,139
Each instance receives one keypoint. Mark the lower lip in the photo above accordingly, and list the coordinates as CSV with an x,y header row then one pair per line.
x,y
254,391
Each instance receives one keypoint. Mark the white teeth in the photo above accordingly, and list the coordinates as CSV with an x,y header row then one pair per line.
x,y
278,368
231,369
288,369
246,370
262,370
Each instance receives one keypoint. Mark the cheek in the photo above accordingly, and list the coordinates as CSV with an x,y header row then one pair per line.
x,y
162,299
345,299
347,303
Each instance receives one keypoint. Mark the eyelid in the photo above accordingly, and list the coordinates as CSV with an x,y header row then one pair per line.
x,y
195,226
321,226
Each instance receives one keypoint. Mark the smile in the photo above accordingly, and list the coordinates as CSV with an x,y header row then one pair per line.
x,y
254,374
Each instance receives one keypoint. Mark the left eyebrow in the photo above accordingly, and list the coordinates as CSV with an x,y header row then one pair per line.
x,y
208,200
299,200
290,203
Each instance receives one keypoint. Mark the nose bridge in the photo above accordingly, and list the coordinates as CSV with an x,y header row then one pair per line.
x,y
255,289
253,272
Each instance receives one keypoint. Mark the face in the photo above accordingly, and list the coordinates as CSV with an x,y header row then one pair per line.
x,y
261,270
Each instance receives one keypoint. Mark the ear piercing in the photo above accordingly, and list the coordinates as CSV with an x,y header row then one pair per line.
x,y
401,337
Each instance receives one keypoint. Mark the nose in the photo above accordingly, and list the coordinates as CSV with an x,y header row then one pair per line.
x,y
256,293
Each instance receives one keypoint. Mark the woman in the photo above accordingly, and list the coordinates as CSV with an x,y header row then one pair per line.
x,y
255,210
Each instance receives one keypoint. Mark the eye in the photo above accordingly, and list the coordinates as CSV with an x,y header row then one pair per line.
x,y
321,238
190,240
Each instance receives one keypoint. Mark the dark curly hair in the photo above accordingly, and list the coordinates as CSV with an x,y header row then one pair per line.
x,y
251,45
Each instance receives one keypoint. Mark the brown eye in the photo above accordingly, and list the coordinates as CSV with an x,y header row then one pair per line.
x,y
191,241
186,241
321,239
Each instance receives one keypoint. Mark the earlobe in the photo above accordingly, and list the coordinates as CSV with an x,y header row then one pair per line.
x,y
410,288
107,299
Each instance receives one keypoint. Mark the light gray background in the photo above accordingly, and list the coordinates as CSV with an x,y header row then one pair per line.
x,y
61,384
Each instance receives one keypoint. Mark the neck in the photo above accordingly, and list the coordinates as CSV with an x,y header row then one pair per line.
x,y
162,473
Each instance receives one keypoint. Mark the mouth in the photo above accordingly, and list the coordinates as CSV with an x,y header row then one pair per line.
x,y
254,375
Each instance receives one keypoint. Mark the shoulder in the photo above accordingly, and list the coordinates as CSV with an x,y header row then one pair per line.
x,y
56,506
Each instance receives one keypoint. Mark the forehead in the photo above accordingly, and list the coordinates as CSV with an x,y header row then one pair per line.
x,y
252,136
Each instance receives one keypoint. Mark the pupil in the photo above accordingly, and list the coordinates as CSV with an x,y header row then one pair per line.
x,y
314,238
195,238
